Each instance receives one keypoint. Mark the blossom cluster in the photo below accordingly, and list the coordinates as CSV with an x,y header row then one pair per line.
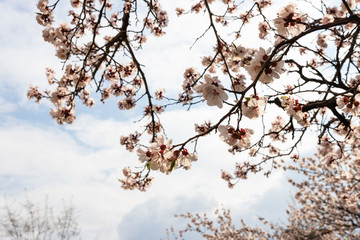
x,y
349,104
276,127
161,155
45,17
238,139
160,21
98,49
134,180
212,91
271,71
130,141
191,76
290,21
294,109
253,106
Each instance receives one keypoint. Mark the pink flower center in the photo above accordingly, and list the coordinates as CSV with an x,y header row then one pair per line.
x,y
289,21
215,93
185,152
148,154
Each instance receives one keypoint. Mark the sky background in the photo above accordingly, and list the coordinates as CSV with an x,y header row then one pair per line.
x,y
82,162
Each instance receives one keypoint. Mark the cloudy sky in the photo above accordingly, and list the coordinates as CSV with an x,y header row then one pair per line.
x,y
82,162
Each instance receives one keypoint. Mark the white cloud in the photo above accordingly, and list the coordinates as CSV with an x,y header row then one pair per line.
x,y
154,216
6,107
50,161
64,163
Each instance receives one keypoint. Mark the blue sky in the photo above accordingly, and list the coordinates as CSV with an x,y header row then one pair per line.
x,y
83,161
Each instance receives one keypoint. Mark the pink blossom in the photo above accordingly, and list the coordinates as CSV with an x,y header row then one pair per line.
x,y
63,114
117,90
185,158
191,75
290,21
294,109
263,30
75,3
322,38
129,91
276,127
43,6
212,91
137,82
49,34
179,11
253,106
111,74
158,154
34,93
153,127
50,75
273,70
45,19
134,180
62,52
158,109
128,103
238,83
202,128
349,104
89,102
328,18
60,96
239,138
263,3
128,70
159,94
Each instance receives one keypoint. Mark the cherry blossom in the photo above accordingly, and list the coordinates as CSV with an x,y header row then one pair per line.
x,y
236,138
63,114
212,91
203,128
273,70
322,40
34,93
161,156
349,104
276,128
128,103
305,68
290,21
238,83
184,158
253,106
159,94
263,30
295,109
